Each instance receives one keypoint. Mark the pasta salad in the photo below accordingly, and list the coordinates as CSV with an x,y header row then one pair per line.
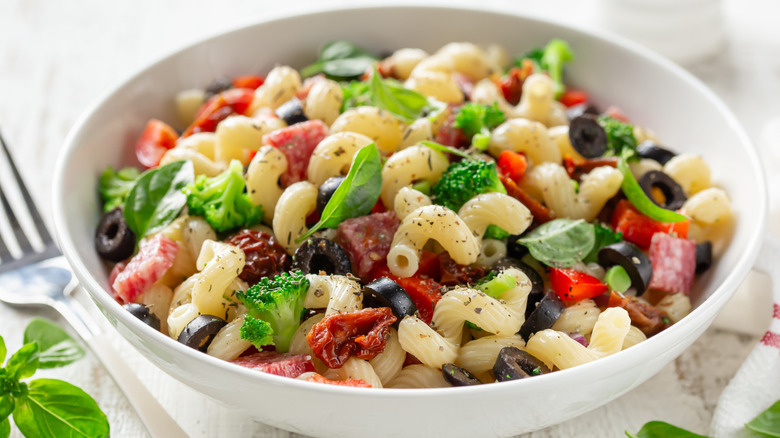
x,y
415,220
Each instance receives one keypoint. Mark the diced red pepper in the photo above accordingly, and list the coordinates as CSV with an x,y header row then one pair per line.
x,y
250,81
354,383
156,139
512,165
218,108
572,97
639,229
571,285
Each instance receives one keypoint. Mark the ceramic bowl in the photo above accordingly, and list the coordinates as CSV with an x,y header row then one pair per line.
x,y
654,92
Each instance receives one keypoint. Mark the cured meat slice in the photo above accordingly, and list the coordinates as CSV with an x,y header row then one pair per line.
x,y
281,364
297,142
146,267
367,240
674,263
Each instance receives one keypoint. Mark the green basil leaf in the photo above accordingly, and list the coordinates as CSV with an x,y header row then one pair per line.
x,y
340,60
604,236
53,408
357,194
390,95
446,149
637,196
3,350
659,429
23,363
157,197
560,243
6,406
768,422
347,68
55,347
341,49
5,428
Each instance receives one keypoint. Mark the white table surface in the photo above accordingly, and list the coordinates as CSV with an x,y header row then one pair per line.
x,y
56,57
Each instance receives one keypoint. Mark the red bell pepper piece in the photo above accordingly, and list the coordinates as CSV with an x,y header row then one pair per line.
x,y
639,229
156,139
512,164
571,285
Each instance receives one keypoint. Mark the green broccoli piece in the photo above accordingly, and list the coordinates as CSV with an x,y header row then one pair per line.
x,y
464,180
115,185
221,200
476,121
620,135
495,285
274,308
551,59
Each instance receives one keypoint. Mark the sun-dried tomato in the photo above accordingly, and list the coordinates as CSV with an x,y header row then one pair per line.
x,y
265,257
540,213
646,317
453,274
361,333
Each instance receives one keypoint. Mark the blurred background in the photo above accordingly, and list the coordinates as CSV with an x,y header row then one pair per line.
x,y
58,57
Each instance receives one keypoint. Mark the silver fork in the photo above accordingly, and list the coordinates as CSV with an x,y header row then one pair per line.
x,y
42,278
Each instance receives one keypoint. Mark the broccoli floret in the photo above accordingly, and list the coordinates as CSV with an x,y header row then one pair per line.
x,y
620,135
221,200
115,185
274,307
476,121
464,180
551,59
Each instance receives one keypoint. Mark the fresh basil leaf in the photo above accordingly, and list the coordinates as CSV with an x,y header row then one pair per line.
x,y
560,243
23,363
340,60
391,95
5,428
768,422
604,236
55,347
53,408
115,185
659,429
341,49
3,351
157,197
356,93
6,406
637,196
356,195
446,149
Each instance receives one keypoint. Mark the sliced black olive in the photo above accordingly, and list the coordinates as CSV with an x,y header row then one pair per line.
x,y
321,255
648,149
218,85
514,249
513,363
674,197
113,239
632,259
458,376
703,256
326,191
537,283
291,112
144,314
384,292
578,110
543,316
587,136
199,333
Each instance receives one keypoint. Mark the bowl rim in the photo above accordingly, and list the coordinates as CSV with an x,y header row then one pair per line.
x,y
703,314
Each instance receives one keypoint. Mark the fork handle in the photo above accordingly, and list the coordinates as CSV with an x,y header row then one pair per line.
x,y
152,414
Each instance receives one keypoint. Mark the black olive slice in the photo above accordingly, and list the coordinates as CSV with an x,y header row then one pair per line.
x,y
587,136
545,314
515,249
321,255
199,333
703,256
384,292
648,149
537,283
113,239
674,197
632,259
218,85
513,363
291,112
144,314
326,191
580,109
458,376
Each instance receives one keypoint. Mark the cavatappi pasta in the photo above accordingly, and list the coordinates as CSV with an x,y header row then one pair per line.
x,y
409,224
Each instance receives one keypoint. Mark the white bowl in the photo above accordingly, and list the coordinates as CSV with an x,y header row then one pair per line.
x,y
652,91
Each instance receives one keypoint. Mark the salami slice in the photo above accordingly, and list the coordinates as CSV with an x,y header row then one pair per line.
x,y
297,142
145,268
281,364
367,240
674,263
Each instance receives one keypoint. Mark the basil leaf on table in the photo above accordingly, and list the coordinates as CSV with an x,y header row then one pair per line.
x,y
659,429
5,428
55,347
768,422
23,363
157,197
560,243
53,409
391,95
637,196
356,195
3,351
340,60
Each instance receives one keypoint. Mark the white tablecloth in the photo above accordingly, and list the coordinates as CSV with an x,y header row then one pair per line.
x,y
57,57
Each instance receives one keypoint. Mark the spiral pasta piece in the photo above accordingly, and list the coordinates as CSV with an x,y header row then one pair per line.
x,y
297,202
336,293
527,136
334,154
496,209
415,163
262,179
479,355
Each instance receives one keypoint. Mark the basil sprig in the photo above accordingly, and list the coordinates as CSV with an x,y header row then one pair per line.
x,y
46,408
560,243
157,198
340,60
768,422
637,196
392,96
356,195
446,149
660,429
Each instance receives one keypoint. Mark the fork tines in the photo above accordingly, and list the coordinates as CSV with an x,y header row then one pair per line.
x,y
28,253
